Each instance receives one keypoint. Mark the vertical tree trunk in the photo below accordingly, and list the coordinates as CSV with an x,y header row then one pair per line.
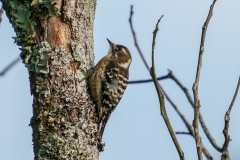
x,y
56,39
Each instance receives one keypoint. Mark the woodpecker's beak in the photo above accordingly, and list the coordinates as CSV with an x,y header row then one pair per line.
x,y
110,42
112,47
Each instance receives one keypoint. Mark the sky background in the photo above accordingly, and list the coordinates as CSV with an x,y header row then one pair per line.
x,y
136,130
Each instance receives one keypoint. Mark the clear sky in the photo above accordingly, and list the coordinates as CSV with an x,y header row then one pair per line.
x,y
136,130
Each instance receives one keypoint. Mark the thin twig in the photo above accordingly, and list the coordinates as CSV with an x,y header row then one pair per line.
x,y
225,155
147,80
161,97
9,66
188,133
135,39
195,85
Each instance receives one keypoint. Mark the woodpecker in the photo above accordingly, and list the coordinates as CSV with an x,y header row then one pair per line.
x,y
108,81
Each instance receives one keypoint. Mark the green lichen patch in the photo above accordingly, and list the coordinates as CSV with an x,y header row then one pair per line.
x,y
22,24
35,58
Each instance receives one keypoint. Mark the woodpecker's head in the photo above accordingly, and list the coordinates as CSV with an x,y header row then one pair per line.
x,y
120,53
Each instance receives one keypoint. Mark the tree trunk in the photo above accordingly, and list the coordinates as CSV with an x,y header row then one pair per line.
x,y
56,39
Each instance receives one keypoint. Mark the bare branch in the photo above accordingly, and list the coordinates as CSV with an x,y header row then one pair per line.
x,y
205,129
195,85
10,66
161,98
135,39
225,155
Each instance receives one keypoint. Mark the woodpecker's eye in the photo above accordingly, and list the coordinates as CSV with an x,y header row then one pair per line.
x,y
119,48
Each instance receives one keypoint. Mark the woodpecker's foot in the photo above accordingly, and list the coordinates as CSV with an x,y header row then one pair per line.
x,y
101,147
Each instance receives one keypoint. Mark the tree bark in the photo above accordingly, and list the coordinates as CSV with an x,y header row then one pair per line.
x,y
56,39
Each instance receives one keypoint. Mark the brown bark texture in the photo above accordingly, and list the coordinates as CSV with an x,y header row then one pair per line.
x,y
56,40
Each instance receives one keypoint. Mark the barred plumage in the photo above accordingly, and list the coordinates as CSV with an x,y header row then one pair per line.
x,y
108,81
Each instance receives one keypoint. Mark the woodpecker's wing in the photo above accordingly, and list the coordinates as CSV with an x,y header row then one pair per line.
x,y
112,88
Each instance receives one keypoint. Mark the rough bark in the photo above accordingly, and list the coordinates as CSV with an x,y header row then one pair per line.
x,y
56,39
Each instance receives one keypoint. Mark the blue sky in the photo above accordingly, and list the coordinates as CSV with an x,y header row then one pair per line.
x,y
136,130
